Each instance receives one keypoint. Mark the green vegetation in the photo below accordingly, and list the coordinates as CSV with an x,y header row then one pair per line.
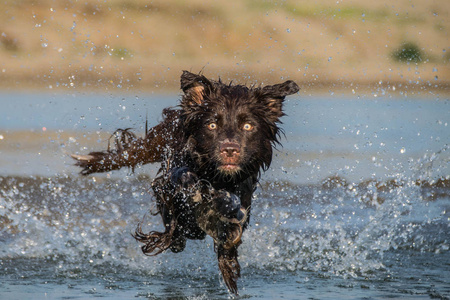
x,y
344,13
321,10
121,53
408,53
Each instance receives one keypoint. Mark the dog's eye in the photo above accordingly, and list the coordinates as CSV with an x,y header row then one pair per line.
x,y
247,126
212,126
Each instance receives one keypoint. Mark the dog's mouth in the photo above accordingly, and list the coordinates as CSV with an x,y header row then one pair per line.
x,y
229,168
229,157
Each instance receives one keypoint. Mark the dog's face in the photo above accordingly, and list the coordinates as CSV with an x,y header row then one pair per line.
x,y
232,127
231,135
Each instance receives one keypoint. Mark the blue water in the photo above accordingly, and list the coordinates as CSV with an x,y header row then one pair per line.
x,y
356,204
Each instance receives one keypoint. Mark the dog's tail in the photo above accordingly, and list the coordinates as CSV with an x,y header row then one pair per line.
x,y
130,150
229,266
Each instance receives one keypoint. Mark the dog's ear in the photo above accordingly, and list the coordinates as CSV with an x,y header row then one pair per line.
x,y
194,87
274,95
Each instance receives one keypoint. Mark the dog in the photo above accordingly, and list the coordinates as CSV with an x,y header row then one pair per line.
x,y
212,148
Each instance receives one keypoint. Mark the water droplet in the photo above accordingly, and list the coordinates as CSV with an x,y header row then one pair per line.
x,y
288,30
44,45
403,150
330,58
435,69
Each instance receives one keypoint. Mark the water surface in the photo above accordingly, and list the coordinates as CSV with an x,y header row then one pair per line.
x,y
355,206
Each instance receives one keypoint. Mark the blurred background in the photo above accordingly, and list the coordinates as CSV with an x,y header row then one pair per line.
x,y
356,203
135,44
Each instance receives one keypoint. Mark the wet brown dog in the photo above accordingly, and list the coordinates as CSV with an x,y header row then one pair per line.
x,y
212,150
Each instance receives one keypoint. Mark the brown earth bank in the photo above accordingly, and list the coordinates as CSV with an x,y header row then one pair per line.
x,y
118,45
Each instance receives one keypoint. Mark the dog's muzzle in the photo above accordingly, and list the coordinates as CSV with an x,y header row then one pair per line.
x,y
230,152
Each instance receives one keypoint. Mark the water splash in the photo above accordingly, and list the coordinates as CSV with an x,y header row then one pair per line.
x,y
345,229
80,228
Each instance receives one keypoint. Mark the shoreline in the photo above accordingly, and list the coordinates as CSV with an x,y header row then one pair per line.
x,y
317,87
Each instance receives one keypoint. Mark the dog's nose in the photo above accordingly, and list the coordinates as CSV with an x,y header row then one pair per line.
x,y
230,148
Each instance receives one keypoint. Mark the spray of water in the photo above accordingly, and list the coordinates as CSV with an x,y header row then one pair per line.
x,y
81,227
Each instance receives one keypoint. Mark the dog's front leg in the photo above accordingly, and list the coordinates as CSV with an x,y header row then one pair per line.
x,y
183,179
187,192
228,205
223,218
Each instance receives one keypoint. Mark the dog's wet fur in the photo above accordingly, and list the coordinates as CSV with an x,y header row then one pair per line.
x,y
212,149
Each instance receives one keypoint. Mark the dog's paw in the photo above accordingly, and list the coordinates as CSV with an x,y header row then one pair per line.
x,y
227,205
178,244
184,178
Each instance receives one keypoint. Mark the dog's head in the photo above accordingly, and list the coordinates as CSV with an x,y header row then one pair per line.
x,y
232,128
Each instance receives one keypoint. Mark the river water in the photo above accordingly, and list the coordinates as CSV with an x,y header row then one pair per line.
x,y
356,204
